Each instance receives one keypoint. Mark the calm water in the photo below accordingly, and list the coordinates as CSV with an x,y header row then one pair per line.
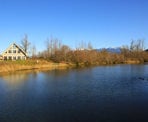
x,y
98,94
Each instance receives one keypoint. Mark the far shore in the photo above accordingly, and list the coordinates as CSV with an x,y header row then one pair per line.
x,y
13,66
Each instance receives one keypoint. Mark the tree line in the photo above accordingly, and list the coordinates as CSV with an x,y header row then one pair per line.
x,y
85,54
136,51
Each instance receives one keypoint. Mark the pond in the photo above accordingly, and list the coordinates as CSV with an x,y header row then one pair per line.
x,y
94,94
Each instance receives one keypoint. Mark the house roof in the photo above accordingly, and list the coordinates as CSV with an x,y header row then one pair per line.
x,y
16,46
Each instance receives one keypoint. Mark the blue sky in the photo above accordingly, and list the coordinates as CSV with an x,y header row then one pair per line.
x,y
105,23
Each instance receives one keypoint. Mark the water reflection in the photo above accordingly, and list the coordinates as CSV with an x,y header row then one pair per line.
x,y
17,79
106,93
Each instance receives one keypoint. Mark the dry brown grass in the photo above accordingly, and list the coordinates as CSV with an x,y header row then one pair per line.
x,y
11,66
132,61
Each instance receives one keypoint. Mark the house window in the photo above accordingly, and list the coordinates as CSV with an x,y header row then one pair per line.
x,y
14,51
19,57
10,58
5,57
14,58
19,51
10,51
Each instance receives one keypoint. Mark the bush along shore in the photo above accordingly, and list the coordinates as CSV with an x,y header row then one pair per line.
x,y
86,55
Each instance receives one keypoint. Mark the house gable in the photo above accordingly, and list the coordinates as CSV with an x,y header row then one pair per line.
x,y
14,52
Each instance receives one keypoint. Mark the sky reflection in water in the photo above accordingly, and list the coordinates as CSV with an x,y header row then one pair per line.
x,y
105,93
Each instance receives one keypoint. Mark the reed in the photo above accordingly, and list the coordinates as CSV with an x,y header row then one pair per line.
x,y
11,66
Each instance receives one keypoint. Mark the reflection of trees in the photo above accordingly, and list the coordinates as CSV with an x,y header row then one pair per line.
x,y
16,79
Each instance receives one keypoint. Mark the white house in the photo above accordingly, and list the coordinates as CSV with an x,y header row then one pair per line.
x,y
1,58
14,52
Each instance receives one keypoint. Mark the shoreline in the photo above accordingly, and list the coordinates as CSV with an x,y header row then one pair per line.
x,y
9,67
12,66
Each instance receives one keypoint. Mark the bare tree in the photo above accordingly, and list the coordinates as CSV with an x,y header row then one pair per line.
x,y
132,46
52,46
25,43
89,46
140,44
137,45
33,51
49,47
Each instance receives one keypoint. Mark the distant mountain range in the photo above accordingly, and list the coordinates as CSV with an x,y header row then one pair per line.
x,y
112,50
